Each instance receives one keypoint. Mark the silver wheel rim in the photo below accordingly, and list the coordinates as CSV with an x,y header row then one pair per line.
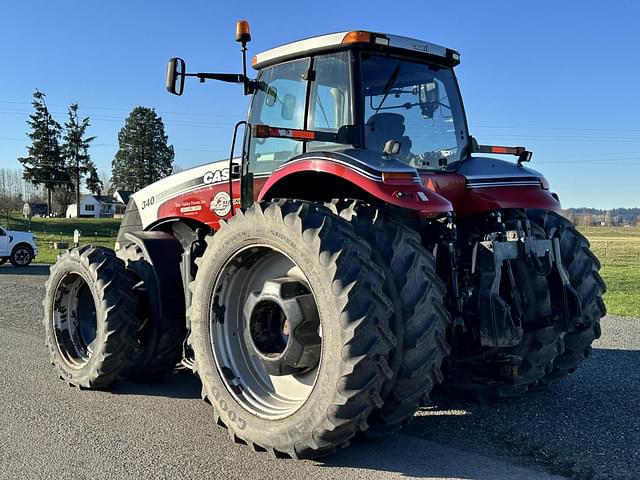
x,y
22,256
245,377
74,320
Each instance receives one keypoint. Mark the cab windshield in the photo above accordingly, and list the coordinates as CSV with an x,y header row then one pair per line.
x,y
416,104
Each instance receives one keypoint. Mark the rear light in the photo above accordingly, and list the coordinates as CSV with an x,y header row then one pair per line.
x,y
357,37
399,178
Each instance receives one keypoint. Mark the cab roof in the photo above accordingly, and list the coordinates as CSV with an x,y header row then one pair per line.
x,y
355,38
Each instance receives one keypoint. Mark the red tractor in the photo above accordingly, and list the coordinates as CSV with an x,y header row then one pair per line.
x,y
359,250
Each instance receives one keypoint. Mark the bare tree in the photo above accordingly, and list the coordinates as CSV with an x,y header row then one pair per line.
x,y
107,187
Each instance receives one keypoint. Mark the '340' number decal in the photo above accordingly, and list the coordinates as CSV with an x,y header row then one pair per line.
x,y
148,202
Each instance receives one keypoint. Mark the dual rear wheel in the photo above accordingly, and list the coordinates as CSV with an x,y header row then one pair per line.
x,y
293,330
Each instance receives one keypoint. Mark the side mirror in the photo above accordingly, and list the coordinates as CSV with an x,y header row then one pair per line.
x,y
271,96
428,98
175,75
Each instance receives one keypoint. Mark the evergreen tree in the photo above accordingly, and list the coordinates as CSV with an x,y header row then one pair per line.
x,y
93,182
45,163
76,154
143,156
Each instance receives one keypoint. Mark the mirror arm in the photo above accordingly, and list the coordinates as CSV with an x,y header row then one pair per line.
x,y
224,77
250,86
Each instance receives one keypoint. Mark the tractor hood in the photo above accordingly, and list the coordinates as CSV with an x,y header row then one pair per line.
x,y
482,172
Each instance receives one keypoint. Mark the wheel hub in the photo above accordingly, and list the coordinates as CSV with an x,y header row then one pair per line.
x,y
282,327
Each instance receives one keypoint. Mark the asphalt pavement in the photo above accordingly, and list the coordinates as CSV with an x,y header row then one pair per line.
x,y
586,427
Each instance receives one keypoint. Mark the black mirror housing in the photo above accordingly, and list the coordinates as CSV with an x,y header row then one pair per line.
x,y
175,75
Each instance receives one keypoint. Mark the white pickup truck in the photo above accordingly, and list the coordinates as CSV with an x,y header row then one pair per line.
x,y
18,247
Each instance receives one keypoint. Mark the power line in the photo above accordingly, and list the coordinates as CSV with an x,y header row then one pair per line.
x,y
117,109
559,128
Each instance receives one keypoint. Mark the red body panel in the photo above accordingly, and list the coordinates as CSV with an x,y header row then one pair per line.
x,y
444,192
470,201
200,204
403,196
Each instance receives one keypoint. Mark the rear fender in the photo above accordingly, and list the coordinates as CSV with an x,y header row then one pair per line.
x,y
164,282
321,179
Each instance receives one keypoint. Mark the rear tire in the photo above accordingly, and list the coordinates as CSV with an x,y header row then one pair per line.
x,y
486,374
582,266
323,407
420,316
88,317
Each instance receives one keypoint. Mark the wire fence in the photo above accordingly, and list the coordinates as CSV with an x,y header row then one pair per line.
x,y
617,251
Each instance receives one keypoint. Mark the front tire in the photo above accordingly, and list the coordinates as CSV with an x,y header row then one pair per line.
x,y
304,409
88,317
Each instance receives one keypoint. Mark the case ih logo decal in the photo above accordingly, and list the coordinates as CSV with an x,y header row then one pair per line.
x,y
216,177
420,46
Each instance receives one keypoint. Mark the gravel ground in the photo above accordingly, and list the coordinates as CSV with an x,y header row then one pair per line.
x,y
586,427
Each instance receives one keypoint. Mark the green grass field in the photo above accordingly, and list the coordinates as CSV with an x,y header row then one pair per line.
x,y
617,248
97,231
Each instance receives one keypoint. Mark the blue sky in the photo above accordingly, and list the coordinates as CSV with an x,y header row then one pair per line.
x,y
558,77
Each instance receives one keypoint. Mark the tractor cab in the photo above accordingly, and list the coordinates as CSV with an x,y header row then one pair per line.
x,y
357,114
359,90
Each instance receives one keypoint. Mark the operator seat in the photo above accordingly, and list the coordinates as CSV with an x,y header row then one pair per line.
x,y
382,127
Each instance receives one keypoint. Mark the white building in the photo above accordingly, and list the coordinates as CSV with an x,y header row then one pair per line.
x,y
100,206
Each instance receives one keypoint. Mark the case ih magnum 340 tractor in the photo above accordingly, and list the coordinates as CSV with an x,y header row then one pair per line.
x,y
357,251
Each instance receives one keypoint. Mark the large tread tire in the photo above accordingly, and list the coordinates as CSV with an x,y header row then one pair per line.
x,y
354,316
110,288
160,339
582,266
535,352
420,316
525,364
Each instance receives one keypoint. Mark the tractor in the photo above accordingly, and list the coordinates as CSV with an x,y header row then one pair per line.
x,y
356,250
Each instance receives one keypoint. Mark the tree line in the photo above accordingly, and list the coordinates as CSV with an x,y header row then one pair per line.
x,y
59,161
616,217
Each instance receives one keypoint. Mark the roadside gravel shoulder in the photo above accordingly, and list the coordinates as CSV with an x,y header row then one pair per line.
x,y
585,427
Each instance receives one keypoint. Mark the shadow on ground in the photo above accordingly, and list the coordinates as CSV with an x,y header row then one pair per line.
x,y
8,269
181,384
584,427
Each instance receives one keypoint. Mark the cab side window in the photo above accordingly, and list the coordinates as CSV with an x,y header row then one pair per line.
x,y
280,102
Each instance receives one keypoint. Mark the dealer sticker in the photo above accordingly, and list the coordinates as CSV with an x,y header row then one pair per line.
x,y
221,204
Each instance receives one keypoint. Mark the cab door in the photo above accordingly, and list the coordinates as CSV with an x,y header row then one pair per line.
x,y
4,243
279,102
